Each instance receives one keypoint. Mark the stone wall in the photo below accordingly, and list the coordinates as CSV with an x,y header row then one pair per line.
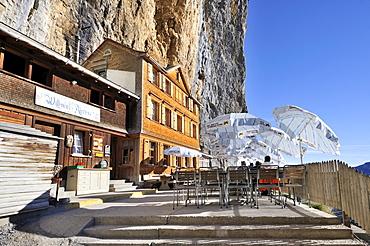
x,y
206,37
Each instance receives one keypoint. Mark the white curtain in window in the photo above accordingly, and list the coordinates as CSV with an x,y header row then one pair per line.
x,y
78,142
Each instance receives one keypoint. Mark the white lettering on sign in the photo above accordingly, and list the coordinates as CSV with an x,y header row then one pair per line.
x,y
52,100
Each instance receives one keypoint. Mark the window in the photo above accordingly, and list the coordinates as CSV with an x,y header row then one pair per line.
x,y
166,158
40,74
168,117
154,77
155,111
20,66
99,98
95,96
188,162
195,131
152,148
179,162
127,155
179,123
14,64
108,102
78,142
107,52
168,88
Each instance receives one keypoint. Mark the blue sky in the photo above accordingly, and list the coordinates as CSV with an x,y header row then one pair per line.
x,y
314,54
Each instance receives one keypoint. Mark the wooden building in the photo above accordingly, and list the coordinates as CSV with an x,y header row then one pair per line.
x,y
46,91
166,116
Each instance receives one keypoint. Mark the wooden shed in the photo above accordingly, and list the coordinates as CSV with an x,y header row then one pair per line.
x,y
27,158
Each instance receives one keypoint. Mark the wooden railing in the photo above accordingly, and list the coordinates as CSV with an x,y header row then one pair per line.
x,y
340,186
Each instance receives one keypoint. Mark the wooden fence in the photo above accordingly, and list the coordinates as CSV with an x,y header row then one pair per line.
x,y
27,161
337,185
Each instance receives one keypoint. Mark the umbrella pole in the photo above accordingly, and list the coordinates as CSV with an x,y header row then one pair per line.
x,y
300,150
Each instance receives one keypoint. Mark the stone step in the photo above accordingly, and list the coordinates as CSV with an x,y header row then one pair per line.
x,y
118,181
62,193
113,189
125,185
120,185
213,220
298,231
68,194
218,241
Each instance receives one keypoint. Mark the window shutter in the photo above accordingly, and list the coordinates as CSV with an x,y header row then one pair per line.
x,y
148,107
174,121
159,76
163,114
146,149
160,152
183,124
191,104
150,72
163,83
171,89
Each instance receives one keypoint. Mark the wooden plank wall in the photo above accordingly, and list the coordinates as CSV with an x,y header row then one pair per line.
x,y
26,169
340,186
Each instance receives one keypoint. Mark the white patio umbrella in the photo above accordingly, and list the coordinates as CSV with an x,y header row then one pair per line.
x,y
307,128
259,150
280,141
229,134
237,124
182,152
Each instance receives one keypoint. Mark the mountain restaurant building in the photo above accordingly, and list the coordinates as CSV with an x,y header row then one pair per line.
x,y
46,91
166,116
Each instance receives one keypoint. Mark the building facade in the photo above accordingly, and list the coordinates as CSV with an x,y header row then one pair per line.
x,y
166,116
46,91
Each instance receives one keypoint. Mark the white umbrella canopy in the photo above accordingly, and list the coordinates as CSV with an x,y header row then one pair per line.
x,y
307,128
182,152
259,150
234,135
228,134
225,142
280,141
237,124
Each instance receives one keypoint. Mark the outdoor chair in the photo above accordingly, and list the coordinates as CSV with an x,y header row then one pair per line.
x,y
294,176
237,180
210,181
268,178
185,182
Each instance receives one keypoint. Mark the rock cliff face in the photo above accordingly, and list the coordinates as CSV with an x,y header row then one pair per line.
x,y
204,36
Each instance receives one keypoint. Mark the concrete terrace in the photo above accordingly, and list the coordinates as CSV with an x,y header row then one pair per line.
x,y
146,217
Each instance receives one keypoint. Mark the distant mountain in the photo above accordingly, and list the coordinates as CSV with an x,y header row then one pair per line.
x,y
365,168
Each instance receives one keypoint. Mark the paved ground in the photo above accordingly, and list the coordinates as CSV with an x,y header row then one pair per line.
x,y
68,222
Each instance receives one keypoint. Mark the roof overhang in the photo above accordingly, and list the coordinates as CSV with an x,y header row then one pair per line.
x,y
31,43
